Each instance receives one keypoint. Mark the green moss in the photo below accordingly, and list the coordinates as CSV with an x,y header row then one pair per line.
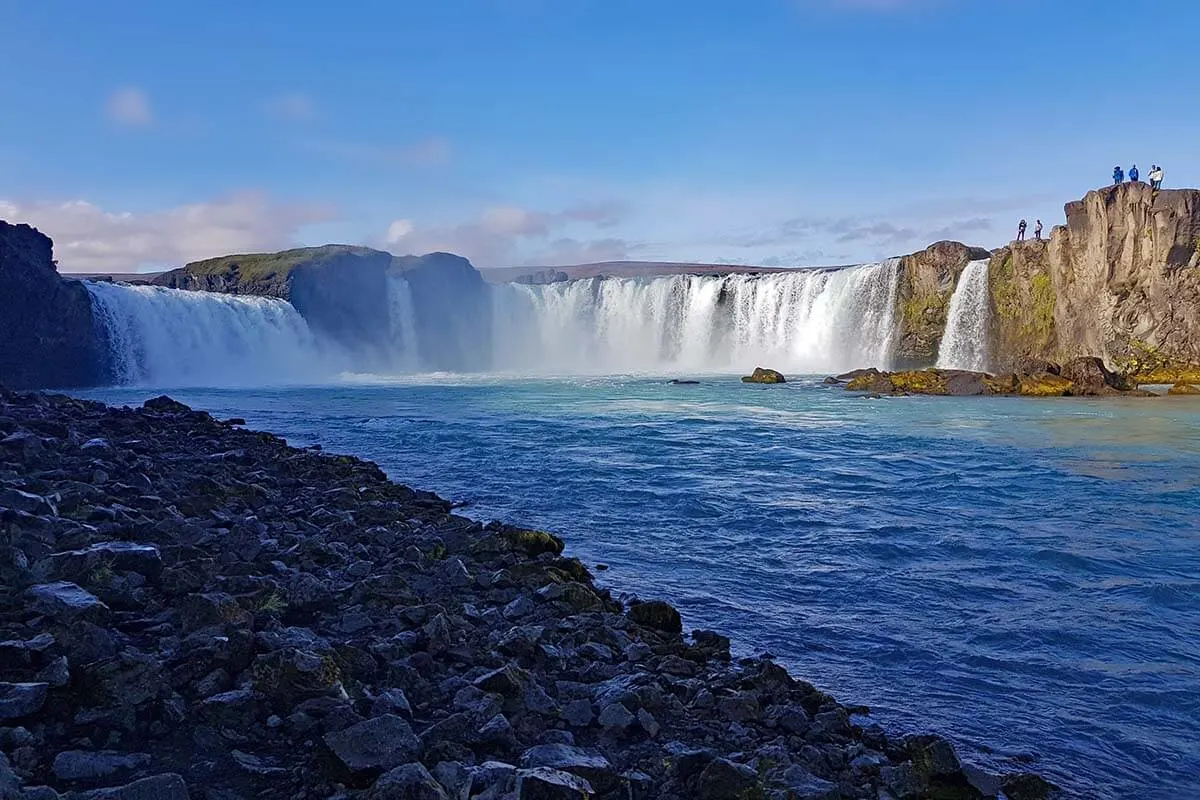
x,y
1040,325
1044,386
925,381
264,266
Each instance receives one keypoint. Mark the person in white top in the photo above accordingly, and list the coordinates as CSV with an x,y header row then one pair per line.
x,y
1156,177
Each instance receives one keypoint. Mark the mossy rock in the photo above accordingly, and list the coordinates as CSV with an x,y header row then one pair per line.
x,y
533,543
763,375
871,381
923,381
1045,385
1184,388
1186,374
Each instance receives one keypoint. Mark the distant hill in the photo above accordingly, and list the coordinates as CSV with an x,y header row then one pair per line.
x,y
622,269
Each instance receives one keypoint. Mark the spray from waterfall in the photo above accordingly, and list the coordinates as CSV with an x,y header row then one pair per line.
x,y
807,321
168,337
965,341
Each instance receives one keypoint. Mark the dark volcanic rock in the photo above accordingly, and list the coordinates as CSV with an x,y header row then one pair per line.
x,y
48,336
381,743
279,623
21,699
658,615
157,787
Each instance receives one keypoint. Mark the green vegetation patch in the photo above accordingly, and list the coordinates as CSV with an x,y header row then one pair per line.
x,y
264,266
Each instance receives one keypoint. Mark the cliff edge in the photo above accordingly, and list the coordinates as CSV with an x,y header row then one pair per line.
x,y
1121,280
49,336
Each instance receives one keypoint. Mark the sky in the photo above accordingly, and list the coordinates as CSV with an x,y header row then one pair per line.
x,y
141,135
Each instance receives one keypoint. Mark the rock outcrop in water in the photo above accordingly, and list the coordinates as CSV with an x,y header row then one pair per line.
x,y
1080,377
1121,280
47,334
190,609
763,375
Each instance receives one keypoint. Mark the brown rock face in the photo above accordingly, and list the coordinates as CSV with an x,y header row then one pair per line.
x,y
48,338
1121,281
927,281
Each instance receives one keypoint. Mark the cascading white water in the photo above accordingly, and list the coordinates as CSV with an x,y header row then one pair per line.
x,y
402,314
965,341
807,321
169,337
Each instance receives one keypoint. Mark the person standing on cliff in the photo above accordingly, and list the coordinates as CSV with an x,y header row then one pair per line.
x,y
1118,175
1021,231
1156,177
1133,174
1037,230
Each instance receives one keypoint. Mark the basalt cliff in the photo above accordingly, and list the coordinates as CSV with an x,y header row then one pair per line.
x,y
1121,280
48,337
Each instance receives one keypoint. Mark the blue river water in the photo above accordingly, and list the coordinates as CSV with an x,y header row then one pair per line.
x,y
1022,576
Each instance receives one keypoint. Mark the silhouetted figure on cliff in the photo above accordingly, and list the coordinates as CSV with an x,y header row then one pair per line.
x,y
1133,174
1118,175
1021,231
1037,230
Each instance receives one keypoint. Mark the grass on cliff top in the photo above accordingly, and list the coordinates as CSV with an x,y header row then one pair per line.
x,y
260,266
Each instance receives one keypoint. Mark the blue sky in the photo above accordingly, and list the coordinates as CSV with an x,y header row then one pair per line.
x,y
145,134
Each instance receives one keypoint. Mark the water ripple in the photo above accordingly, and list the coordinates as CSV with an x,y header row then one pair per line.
x,y
1021,576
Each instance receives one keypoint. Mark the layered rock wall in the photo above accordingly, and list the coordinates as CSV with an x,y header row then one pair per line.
x,y
48,337
927,281
1121,280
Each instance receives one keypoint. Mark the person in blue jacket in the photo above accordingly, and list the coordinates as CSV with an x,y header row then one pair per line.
x,y
1133,173
1118,175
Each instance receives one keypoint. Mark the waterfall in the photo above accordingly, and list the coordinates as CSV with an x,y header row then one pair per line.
x,y
806,321
402,314
965,342
169,337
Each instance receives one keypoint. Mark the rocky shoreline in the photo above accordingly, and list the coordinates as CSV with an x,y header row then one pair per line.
x,y
189,609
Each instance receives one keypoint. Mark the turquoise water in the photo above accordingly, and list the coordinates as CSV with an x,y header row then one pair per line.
x,y
1022,576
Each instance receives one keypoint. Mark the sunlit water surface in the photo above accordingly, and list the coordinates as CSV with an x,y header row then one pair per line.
x,y
1022,576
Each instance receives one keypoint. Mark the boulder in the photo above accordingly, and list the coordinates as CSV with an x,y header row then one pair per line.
x,y
19,700
407,782
764,375
586,763
378,744
66,601
1184,388
85,765
722,779
658,615
158,787
543,783
1089,376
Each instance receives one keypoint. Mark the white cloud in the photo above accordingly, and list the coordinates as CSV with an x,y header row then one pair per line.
x,y
88,238
398,230
512,236
292,106
130,107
